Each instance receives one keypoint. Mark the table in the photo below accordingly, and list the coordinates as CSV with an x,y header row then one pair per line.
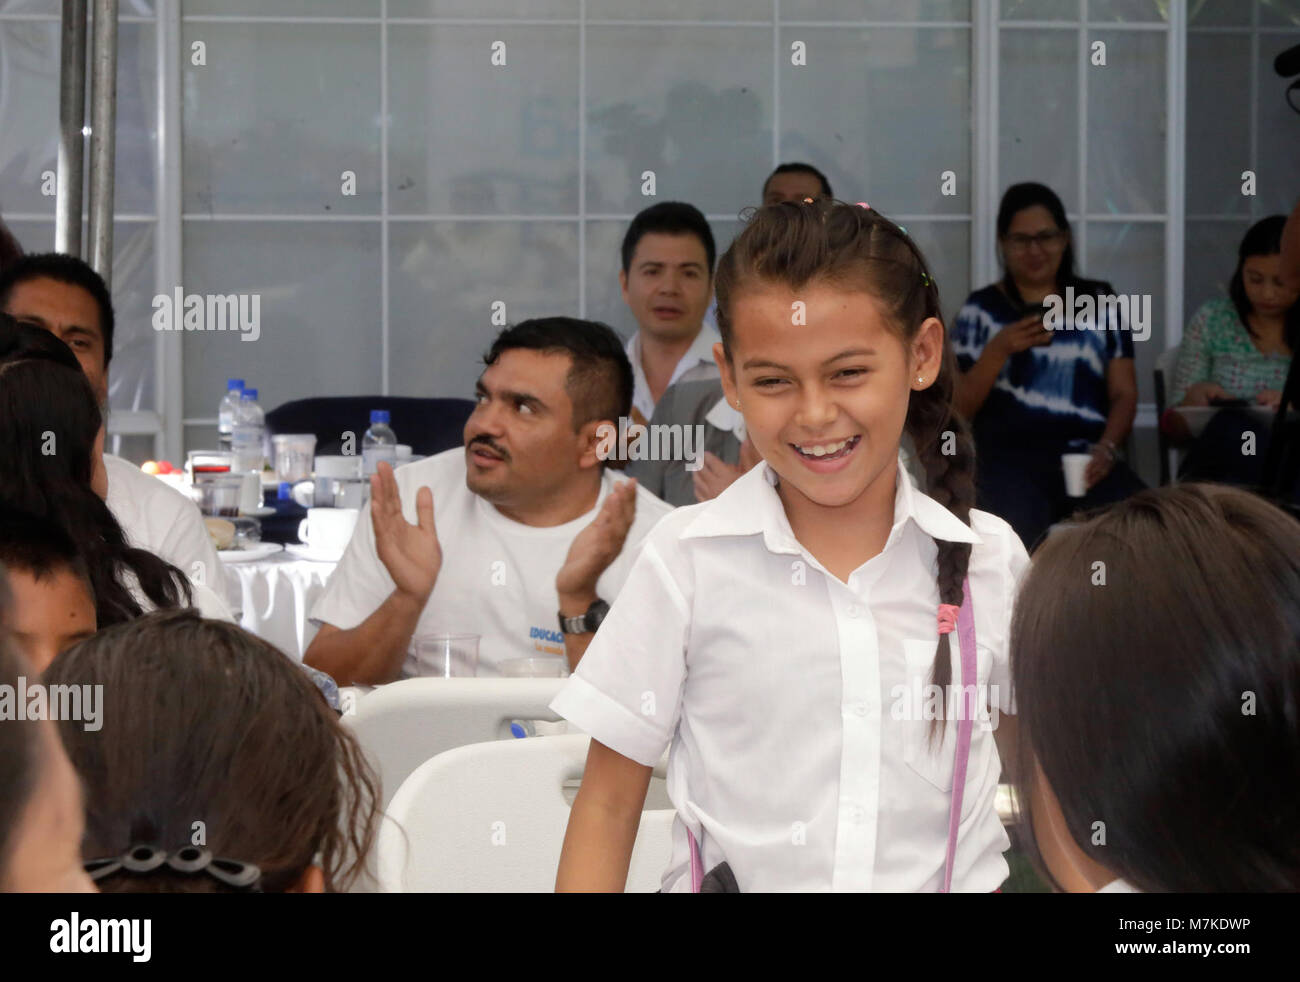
x,y
277,595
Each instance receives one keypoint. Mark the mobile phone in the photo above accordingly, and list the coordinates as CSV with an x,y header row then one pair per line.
x,y
1040,310
1229,403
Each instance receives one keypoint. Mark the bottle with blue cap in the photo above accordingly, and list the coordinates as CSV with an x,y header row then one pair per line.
x,y
226,412
378,443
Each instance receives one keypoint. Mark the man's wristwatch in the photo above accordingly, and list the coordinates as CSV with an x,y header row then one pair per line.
x,y
585,623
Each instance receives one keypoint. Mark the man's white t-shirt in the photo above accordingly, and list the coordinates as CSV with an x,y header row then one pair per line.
x,y
498,576
165,522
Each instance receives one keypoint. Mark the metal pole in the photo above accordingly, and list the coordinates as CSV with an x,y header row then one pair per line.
x,y
103,119
72,117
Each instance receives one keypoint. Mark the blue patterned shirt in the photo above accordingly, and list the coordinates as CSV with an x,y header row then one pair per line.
x,y
1044,396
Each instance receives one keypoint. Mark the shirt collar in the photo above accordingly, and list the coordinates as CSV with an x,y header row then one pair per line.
x,y
723,417
701,350
751,506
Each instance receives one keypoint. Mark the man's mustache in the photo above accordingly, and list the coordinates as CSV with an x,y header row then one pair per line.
x,y
487,442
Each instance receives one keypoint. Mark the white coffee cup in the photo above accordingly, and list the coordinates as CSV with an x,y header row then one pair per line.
x,y
328,529
1074,465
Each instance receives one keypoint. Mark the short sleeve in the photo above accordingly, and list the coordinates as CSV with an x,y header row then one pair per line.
x,y
1014,564
359,584
627,689
1193,362
969,334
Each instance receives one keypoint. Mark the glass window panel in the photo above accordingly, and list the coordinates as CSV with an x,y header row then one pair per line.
x,y
876,10
284,8
883,112
127,8
1038,137
132,371
1131,257
278,114
1218,123
445,277
678,10
506,9
468,137
319,285
1040,9
1279,13
1127,11
693,105
1279,131
1126,124
1218,13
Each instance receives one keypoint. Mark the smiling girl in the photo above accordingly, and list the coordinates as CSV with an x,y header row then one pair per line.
x,y
765,636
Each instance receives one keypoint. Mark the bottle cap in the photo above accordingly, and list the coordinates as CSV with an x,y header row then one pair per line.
x,y
285,492
234,385
379,416
250,394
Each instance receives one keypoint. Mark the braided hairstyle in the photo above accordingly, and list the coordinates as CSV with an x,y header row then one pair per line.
x,y
794,243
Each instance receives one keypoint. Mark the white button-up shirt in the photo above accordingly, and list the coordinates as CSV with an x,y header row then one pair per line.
x,y
792,700
696,365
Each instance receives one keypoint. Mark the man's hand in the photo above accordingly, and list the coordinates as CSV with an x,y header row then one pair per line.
x,y
1021,335
715,476
598,545
410,553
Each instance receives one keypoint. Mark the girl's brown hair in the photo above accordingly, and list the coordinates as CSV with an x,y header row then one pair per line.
x,y
204,722
858,249
1155,653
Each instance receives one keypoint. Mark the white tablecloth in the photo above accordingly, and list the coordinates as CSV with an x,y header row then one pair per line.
x,y
276,595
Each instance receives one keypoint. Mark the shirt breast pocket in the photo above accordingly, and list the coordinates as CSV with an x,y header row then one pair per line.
x,y
934,757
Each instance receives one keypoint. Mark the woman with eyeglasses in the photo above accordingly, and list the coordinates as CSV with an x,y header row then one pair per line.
x,y
1036,389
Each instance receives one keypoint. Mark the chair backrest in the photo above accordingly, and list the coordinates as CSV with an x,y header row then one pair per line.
x,y
403,724
429,426
491,817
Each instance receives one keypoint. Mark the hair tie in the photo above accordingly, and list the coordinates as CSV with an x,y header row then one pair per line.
x,y
947,617
142,860
925,278
863,204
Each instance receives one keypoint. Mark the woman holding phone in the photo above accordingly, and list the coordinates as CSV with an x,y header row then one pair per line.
x,y
1034,394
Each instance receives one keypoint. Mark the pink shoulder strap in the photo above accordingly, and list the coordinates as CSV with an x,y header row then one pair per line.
x,y
966,641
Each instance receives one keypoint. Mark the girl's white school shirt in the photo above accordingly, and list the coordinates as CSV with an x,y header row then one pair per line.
x,y
793,701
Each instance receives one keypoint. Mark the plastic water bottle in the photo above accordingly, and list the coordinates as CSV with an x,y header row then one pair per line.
x,y
378,443
248,432
226,411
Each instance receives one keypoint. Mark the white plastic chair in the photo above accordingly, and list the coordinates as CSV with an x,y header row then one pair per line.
x,y
403,724
492,816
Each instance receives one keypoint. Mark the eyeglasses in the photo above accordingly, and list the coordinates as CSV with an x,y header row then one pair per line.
x,y
1045,240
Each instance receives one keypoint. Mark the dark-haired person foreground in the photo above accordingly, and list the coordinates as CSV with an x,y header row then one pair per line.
x,y
40,799
1030,392
206,723
62,295
50,442
53,601
1163,707
531,524
1237,347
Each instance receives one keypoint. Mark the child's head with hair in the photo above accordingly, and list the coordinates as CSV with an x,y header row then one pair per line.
x,y
1155,652
205,723
53,601
832,348
40,798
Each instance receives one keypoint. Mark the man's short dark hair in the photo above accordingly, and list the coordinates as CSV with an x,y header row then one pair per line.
x,y
798,167
669,218
67,269
599,383
38,547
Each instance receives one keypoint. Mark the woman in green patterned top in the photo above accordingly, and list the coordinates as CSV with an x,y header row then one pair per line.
x,y
1238,347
